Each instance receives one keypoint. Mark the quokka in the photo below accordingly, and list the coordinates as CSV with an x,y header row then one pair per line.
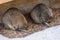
x,y
41,14
14,19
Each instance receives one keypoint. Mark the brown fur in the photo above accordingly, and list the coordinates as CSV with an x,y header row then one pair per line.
x,y
41,14
14,19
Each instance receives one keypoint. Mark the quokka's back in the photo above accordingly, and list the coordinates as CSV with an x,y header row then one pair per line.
x,y
14,19
41,13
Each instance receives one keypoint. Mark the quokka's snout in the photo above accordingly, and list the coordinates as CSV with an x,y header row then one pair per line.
x,y
14,19
41,13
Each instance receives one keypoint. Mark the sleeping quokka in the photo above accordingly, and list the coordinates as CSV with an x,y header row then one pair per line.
x,y
41,14
14,19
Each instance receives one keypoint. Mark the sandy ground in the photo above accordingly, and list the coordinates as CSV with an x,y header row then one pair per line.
x,y
52,33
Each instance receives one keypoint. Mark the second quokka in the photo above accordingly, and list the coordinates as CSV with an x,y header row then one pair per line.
x,y
14,19
41,14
